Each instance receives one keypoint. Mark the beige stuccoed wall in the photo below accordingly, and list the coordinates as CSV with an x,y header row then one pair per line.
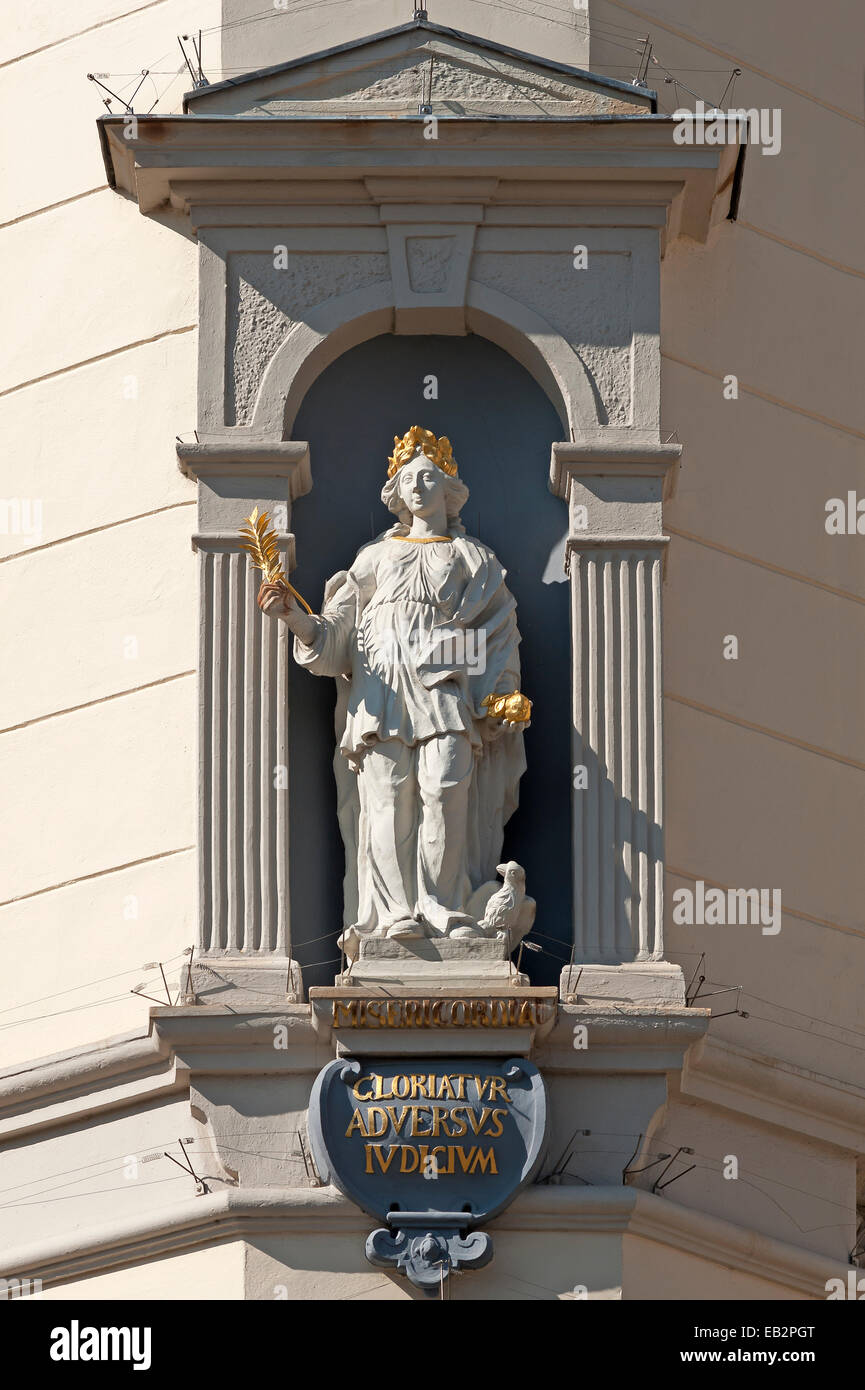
x,y
59,1182
653,1272
555,29
540,1264
216,1273
765,755
97,375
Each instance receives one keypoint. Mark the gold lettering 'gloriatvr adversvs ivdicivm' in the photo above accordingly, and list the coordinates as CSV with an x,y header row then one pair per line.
x,y
481,1109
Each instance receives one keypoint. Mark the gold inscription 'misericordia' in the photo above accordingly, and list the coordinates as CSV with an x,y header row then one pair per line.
x,y
439,1013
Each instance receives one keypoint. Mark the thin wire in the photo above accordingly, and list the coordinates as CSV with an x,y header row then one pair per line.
x,y
519,1278
557,940
801,1014
99,1193
373,1288
33,1198
90,1004
566,24
59,1013
611,33
312,940
785,1008
313,963
167,72
596,66
118,1162
620,31
804,1230
569,23
706,1167
269,1155
561,9
809,1032
271,13
677,85
204,1146
160,96
219,28
103,979
575,20
710,1159
264,994
84,1168
766,76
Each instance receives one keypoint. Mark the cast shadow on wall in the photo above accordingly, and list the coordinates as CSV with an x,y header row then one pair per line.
x,y
501,425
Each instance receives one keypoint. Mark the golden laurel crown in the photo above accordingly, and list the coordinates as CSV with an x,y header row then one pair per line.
x,y
438,451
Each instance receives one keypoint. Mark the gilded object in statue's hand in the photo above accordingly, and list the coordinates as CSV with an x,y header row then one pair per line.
x,y
261,544
514,708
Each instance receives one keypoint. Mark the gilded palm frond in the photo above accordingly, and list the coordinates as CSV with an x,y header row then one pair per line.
x,y
261,544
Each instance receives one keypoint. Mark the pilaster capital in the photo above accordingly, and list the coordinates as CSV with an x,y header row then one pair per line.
x,y
236,474
223,456
609,452
615,483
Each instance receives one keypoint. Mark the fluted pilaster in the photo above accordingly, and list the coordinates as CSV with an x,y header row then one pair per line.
x,y
614,485
243,772
617,739
243,760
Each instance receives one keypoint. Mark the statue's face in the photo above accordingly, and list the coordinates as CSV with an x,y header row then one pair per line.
x,y
421,485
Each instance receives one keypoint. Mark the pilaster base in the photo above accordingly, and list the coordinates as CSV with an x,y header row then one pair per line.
x,y
637,982
242,981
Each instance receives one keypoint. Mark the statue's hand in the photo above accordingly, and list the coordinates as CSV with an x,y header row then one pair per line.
x,y
519,724
506,711
276,601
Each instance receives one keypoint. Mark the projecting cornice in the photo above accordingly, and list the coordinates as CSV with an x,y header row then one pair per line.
x,y
776,1092
247,162
127,1071
255,1214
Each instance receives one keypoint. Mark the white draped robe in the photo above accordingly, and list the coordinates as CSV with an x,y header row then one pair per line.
x,y
416,635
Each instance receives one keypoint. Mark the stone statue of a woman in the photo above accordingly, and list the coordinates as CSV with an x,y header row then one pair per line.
x,y
418,634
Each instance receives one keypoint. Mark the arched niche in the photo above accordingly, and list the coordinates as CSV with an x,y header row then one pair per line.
x,y
501,424
331,329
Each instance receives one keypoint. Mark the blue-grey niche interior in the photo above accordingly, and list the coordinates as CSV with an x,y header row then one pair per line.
x,y
501,425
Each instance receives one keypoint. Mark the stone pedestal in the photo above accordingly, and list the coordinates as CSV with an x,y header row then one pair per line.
x,y
430,964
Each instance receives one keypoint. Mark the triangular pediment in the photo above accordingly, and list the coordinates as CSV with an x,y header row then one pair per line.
x,y
393,74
